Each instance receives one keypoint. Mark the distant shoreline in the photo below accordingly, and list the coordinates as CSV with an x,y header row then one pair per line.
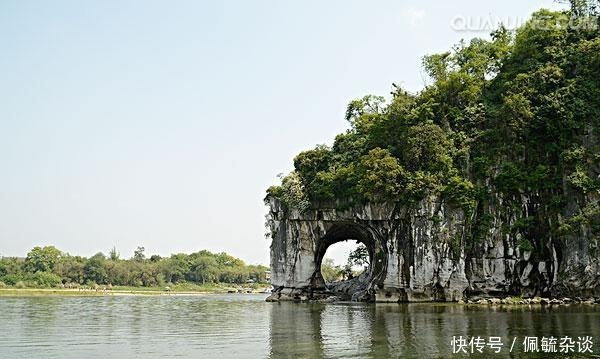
x,y
50,292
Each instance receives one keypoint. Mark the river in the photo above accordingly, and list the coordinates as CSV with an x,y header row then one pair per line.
x,y
245,326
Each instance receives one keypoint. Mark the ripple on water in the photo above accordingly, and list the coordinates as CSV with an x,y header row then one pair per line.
x,y
244,326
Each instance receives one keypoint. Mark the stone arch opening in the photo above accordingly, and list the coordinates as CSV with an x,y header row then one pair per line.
x,y
357,288
344,260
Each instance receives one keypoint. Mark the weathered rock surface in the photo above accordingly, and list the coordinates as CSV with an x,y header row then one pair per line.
x,y
419,252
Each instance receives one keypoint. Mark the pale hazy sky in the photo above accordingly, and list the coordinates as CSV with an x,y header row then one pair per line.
x,y
161,123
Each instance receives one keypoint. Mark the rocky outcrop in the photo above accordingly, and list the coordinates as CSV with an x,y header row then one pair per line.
x,y
430,251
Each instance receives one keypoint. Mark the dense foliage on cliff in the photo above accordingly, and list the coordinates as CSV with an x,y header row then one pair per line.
x,y
514,115
49,267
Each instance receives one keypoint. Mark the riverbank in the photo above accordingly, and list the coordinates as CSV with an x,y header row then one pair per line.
x,y
328,297
534,300
121,291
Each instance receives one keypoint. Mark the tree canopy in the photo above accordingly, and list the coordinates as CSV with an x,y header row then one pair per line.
x,y
514,114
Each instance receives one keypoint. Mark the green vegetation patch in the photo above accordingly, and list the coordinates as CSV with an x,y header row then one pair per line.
x,y
48,267
510,121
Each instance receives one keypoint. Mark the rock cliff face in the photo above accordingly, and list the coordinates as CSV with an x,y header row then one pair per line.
x,y
484,183
420,252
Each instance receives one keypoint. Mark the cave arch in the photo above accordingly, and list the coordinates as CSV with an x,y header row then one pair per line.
x,y
360,286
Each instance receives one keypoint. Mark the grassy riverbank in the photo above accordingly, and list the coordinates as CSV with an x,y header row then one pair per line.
x,y
187,289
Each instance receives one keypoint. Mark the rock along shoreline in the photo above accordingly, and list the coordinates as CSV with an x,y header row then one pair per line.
x,y
509,301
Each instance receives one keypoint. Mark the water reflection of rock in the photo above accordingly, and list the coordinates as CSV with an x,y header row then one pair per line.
x,y
295,330
414,330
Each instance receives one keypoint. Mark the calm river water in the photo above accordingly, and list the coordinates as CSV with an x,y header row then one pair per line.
x,y
245,326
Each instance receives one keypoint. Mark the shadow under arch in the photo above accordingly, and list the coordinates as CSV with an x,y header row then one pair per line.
x,y
361,287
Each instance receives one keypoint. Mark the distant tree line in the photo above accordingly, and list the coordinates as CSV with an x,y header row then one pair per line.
x,y
50,267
